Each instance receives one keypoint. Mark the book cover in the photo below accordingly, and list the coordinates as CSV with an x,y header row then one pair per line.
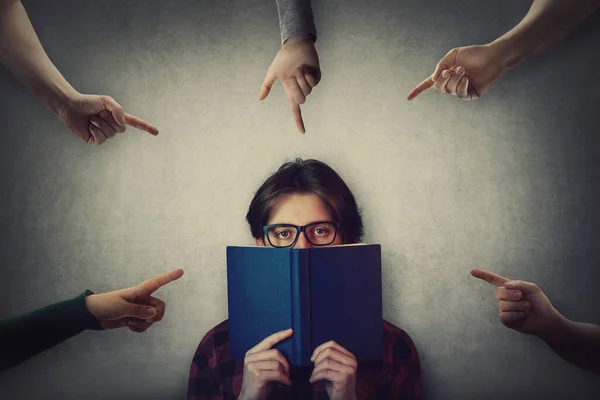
x,y
323,293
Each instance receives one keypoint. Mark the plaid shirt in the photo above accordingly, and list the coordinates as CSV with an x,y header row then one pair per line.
x,y
214,375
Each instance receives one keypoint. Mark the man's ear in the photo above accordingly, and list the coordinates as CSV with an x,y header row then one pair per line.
x,y
259,242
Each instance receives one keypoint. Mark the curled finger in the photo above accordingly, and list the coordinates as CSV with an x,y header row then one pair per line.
x,y
513,305
97,137
442,81
110,120
103,126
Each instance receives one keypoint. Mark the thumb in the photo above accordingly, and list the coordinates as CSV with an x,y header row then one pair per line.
x,y
446,62
136,311
266,86
114,108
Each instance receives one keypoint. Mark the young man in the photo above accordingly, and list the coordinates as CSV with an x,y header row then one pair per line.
x,y
311,195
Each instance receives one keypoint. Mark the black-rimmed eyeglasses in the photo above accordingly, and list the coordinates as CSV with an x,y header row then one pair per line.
x,y
321,233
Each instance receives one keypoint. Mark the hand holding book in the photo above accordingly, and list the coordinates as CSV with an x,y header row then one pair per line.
x,y
263,365
337,367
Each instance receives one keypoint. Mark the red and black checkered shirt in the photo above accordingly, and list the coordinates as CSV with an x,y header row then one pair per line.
x,y
214,375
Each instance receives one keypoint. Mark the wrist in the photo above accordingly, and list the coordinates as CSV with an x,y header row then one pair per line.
x,y
557,330
56,97
301,37
508,51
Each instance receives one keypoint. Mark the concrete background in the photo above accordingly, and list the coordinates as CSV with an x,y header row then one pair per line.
x,y
508,183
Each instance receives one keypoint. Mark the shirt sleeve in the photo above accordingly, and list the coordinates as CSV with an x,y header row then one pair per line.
x,y
27,335
204,382
295,17
407,368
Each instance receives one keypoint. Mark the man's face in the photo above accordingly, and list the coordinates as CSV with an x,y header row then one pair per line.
x,y
300,209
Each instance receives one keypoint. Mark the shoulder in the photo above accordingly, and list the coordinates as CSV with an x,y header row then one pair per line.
x,y
397,343
214,346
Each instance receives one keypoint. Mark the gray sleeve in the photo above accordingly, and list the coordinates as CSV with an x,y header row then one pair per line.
x,y
295,17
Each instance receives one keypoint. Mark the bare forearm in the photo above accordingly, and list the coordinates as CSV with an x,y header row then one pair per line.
x,y
22,53
577,343
546,23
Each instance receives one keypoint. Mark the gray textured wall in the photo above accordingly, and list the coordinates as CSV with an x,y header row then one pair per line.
x,y
507,183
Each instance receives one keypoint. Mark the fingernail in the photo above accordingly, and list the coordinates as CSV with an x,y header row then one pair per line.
x,y
445,74
149,311
509,284
460,70
148,321
526,304
517,295
463,80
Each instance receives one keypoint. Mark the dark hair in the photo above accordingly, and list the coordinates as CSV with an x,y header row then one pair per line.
x,y
310,176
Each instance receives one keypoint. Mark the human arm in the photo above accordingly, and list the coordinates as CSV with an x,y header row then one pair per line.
x,y
25,336
296,64
525,308
469,71
92,118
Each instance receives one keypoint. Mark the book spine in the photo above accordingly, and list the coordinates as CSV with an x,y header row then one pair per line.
x,y
300,291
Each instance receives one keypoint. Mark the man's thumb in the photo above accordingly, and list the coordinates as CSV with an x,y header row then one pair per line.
x,y
137,311
114,108
265,89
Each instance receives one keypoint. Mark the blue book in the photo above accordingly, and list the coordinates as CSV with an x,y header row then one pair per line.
x,y
322,293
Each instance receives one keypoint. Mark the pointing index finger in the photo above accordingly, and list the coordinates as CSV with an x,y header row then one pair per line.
x,y
421,87
140,124
489,277
152,285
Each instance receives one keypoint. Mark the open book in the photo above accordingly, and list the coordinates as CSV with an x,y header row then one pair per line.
x,y
322,293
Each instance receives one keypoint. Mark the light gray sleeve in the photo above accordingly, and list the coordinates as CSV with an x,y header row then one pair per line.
x,y
295,17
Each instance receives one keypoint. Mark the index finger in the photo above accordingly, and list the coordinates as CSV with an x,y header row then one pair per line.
x,y
140,124
271,341
489,277
421,87
152,285
296,113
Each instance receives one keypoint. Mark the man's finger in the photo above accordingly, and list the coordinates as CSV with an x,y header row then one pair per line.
x,y
114,108
265,89
333,365
501,293
294,89
138,323
329,344
525,287
103,126
271,341
489,277
152,285
268,355
461,90
97,135
421,87
312,75
508,318
110,120
304,86
160,306
327,375
331,353
135,310
445,63
296,113
140,124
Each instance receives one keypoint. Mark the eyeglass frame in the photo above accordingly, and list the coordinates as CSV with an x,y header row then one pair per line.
x,y
299,231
